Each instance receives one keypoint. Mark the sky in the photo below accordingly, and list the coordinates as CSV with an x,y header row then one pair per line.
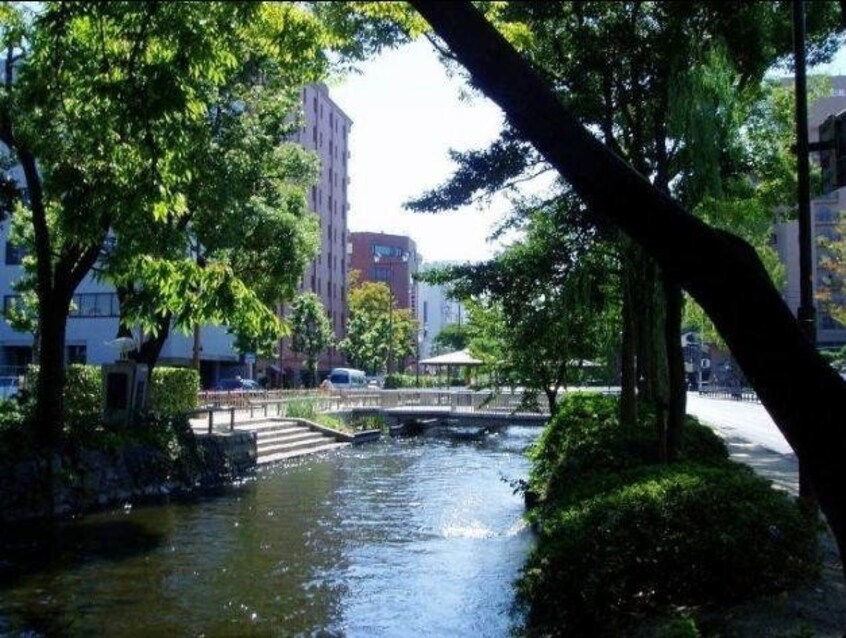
x,y
407,114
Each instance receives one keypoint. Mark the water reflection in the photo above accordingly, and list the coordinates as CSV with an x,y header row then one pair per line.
x,y
410,537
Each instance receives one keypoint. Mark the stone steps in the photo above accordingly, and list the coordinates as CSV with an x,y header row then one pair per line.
x,y
278,439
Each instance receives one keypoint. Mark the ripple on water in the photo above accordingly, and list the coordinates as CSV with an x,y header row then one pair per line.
x,y
398,538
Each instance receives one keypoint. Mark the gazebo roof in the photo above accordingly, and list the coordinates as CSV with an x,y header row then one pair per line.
x,y
458,358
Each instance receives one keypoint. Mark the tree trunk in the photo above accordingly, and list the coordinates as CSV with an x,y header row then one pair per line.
x,y
804,395
149,350
628,366
49,393
677,403
551,398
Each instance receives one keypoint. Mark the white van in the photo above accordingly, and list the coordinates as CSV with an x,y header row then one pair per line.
x,y
347,379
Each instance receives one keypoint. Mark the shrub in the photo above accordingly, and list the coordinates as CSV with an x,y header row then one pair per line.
x,y
680,534
584,449
300,409
173,390
397,381
577,423
83,395
170,433
368,422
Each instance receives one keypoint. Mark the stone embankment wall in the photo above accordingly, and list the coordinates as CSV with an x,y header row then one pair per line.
x,y
91,480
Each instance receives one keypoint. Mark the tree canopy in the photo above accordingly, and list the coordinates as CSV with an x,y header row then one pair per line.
x,y
737,292
311,330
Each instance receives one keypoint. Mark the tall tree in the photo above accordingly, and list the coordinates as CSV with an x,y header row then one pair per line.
x,y
245,199
311,330
452,337
736,292
377,333
831,248
663,54
546,301
94,107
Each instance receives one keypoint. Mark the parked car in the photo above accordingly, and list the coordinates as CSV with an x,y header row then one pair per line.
x,y
237,384
9,387
347,379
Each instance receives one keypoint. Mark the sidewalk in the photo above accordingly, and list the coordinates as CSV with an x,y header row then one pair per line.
x,y
752,437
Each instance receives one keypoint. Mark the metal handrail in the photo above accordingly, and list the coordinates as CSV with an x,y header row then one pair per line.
x,y
276,403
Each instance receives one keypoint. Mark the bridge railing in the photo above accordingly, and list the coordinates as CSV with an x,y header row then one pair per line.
x,y
456,400
219,411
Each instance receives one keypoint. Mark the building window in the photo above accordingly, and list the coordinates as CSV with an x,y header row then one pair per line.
x,y
95,304
387,251
314,134
14,254
314,103
77,354
381,273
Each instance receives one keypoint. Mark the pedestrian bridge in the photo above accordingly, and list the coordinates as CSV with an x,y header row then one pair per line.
x,y
445,407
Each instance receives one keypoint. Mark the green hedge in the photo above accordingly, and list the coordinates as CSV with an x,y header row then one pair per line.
x,y
395,381
680,534
83,394
583,448
621,536
171,391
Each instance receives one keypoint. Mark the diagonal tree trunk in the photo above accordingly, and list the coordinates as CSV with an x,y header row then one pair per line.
x,y
804,395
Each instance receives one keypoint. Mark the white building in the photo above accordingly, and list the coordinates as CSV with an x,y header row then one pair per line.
x,y
435,311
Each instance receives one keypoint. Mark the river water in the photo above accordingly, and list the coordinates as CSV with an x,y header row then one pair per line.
x,y
409,537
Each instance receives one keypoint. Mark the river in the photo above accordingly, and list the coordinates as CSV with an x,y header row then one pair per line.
x,y
411,537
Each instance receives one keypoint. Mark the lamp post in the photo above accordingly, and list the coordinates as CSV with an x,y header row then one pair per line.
x,y
380,259
420,332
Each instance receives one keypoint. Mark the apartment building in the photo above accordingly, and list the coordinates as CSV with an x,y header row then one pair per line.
x,y
326,132
825,213
389,259
94,318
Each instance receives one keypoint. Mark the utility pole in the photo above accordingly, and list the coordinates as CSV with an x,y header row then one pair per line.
x,y
806,313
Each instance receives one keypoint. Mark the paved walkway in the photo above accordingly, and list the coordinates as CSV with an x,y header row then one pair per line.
x,y
752,437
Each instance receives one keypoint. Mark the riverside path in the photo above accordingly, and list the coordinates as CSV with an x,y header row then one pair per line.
x,y
752,437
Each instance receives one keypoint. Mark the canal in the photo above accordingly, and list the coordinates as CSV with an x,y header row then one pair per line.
x,y
405,537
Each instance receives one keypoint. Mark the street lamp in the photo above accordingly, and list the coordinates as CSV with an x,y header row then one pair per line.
x,y
380,259
421,331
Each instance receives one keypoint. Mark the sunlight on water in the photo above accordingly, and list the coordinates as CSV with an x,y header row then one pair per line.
x,y
467,531
405,537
